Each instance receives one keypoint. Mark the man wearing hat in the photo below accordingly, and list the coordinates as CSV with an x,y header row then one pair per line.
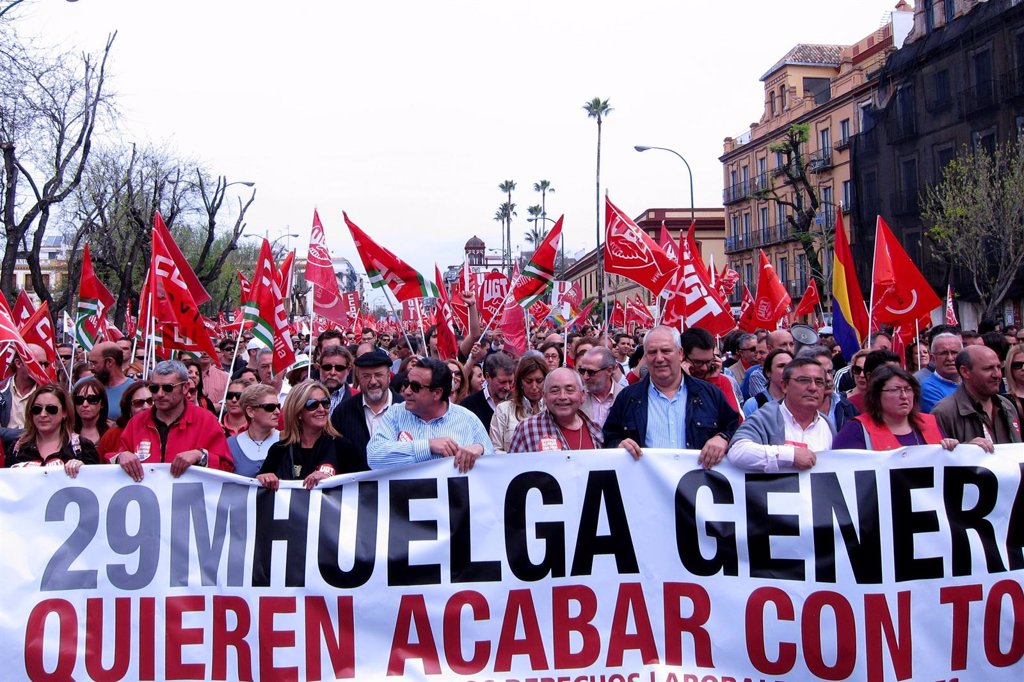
x,y
357,417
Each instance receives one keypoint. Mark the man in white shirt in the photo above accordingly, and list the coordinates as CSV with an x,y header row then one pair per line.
x,y
786,435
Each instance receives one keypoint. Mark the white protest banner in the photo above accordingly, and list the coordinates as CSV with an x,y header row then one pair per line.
x,y
585,567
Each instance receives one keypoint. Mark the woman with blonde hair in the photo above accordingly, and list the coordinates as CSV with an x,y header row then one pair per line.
x,y
49,438
309,449
1013,373
527,392
250,446
460,384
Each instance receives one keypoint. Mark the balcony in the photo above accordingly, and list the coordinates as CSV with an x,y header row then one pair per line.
x,y
736,193
903,127
820,161
980,97
1013,84
798,286
938,103
904,203
843,143
760,183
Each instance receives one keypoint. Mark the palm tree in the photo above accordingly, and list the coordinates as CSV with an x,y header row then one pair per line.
x,y
507,187
598,109
504,215
535,213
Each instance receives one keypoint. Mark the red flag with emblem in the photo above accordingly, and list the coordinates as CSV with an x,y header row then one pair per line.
x,y
618,316
12,343
23,308
950,313
630,252
809,300
384,268
900,293
726,282
188,276
747,323
38,329
695,303
491,296
447,345
245,286
181,323
639,313
772,300
327,296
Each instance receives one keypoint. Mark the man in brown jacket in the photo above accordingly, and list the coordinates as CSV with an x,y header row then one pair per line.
x,y
975,412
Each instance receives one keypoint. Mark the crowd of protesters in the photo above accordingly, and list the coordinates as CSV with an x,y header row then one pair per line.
x,y
358,400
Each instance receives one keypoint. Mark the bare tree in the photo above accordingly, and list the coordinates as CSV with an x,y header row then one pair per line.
x,y
49,109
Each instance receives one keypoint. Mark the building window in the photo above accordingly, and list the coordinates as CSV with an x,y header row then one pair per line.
x,y
943,156
782,93
780,160
929,15
735,225
984,139
844,131
746,227
764,224
748,276
780,215
771,103
828,208
762,165
801,269
784,269
949,10
825,141
847,195
862,114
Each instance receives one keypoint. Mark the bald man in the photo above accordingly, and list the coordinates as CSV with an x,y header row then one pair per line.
x,y
975,412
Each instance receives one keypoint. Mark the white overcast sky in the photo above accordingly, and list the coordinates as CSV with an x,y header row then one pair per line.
x,y
408,114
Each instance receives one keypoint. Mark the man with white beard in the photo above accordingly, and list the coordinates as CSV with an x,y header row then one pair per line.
x,y
357,417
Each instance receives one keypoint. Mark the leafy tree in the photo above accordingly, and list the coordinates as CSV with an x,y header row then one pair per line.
x,y
976,215
792,187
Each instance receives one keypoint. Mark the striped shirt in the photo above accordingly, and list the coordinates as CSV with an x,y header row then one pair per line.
x,y
403,438
666,418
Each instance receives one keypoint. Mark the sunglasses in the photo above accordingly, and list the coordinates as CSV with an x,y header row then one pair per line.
x,y
334,368
1016,366
91,399
50,409
415,386
64,358
139,402
313,403
591,372
166,388
857,371
232,395
273,407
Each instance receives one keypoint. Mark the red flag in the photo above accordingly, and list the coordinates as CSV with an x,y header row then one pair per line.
x,y
466,281
695,303
747,323
447,345
266,310
11,338
175,308
284,275
618,316
245,285
540,271
639,313
539,311
188,276
386,269
809,301
491,296
772,300
513,325
130,326
580,319
950,313
23,308
38,329
630,252
327,297
900,293
727,281
350,307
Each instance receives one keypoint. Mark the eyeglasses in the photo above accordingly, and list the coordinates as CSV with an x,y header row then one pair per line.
x,y
274,407
591,372
807,381
856,370
902,390
313,403
701,363
139,402
946,353
166,388
232,395
50,409
334,368
415,386
44,363
748,350
91,399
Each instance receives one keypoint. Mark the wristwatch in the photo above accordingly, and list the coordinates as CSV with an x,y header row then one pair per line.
x,y
204,459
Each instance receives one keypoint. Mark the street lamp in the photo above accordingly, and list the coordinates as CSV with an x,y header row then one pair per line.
x,y
641,148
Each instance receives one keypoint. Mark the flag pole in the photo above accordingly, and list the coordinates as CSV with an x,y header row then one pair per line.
x,y
312,320
917,342
423,333
401,326
871,303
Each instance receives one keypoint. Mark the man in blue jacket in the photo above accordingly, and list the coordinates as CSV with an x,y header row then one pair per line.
x,y
670,409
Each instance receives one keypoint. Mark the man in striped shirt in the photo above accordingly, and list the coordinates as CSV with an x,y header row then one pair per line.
x,y
427,425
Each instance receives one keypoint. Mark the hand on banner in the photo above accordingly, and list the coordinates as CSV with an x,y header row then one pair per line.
x,y
983,443
72,466
183,460
804,458
466,457
269,481
631,447
130,463
445,447
949,443
713,451
311,481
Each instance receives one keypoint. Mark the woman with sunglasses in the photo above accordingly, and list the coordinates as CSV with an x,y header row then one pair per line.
x,y
261,410
860,379
234,421
135,399
526,401
91,409
892,418
1013,373
460,385
310,448
49,438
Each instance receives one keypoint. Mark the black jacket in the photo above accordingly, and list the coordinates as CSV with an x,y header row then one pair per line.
x,y
349,421
281,458
478,405
707,414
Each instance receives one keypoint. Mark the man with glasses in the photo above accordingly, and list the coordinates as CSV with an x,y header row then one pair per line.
x,y
106,360
359,416
596,367
754,380
834,405
427,425
699,349
175,431
945,379
335,364
749,352
786,435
